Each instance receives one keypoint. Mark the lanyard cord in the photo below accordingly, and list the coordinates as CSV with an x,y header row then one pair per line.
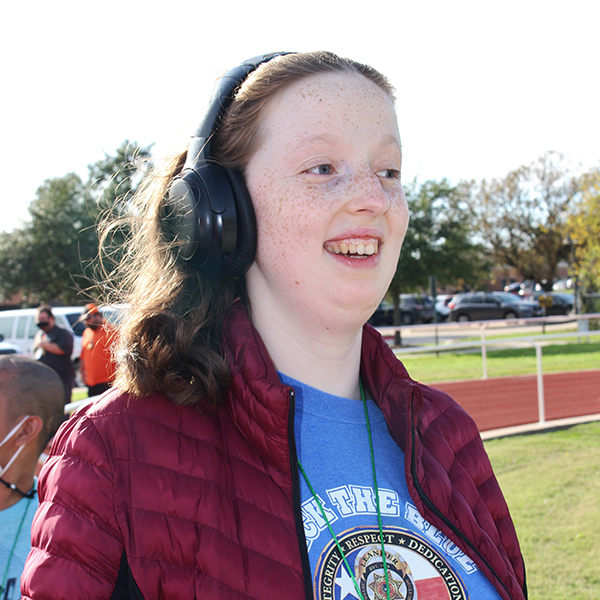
x,y
385,568
322,510
350,571
12,550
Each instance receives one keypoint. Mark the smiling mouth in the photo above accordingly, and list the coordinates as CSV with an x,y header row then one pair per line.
x,y
354,248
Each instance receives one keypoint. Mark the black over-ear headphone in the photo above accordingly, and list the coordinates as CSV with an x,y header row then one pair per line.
x,y
208,213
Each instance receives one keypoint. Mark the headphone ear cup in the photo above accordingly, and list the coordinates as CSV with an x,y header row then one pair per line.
x,y
209,218
178,218
245,249
187,221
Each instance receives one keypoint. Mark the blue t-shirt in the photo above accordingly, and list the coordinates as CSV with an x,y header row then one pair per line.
x,y
333,447
10,524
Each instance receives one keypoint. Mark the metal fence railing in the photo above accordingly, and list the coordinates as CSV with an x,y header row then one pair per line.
x,y
535,341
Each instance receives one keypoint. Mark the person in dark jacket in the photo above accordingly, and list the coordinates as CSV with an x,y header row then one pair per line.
x,y
53,346
261,440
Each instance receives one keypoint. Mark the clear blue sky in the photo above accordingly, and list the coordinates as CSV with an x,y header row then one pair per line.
x,y
483,86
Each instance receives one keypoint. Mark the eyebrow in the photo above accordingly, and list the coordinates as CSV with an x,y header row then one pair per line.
x,y
315,139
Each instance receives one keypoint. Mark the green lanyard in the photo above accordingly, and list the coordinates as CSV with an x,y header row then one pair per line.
x,y
322,510
12,550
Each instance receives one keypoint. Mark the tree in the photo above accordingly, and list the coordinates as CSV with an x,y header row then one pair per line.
x,y
48,258
439,240
57,235
522,217
14,267
584,231
112,182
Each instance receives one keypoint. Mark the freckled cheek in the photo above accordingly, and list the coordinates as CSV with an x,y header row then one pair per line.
x,y
283,214
399,214
283,232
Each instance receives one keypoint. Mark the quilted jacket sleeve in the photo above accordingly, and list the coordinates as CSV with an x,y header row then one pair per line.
x,y
76,542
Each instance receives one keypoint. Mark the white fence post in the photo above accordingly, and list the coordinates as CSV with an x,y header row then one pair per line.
x,y
484,352
540,382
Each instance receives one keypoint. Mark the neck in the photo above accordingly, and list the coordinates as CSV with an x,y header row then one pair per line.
x,y
10,496
19,475
324,356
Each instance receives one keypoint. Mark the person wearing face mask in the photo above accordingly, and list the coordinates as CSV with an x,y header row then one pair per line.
x,y
96,364
31,407
261,440
53,346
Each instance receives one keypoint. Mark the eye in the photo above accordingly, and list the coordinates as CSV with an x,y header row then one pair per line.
x,y
321,170
389,173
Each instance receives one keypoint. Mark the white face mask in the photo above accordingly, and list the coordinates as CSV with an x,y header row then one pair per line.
x,y
7,437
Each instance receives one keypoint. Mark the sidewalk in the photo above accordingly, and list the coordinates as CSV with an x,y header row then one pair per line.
x,y
538,427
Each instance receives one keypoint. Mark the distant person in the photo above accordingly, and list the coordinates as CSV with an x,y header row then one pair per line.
x,y
31,408
53,346
95,362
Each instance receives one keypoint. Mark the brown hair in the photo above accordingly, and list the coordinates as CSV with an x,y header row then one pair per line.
x,y
170,340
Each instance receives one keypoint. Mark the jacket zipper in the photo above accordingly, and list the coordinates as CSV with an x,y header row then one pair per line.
x,y
295,471
433,508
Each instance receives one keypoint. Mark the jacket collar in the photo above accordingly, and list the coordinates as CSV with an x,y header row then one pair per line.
x,y
259,403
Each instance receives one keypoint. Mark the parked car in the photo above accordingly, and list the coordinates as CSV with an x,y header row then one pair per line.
x,y
555,302
441,306
562,284
413,309
383,315
8,348
416,308
522,288
481,306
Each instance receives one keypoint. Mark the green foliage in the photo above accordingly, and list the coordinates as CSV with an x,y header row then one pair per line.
x,y
111,185
584,229
48,259
522,217
551,482
41,260
113,180
439,239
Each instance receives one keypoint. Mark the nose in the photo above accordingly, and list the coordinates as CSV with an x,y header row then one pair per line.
x,y
369,196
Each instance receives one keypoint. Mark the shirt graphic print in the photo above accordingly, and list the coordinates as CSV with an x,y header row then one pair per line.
x,y
333,448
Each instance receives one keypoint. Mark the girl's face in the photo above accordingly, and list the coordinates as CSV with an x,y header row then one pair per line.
x,y
331,213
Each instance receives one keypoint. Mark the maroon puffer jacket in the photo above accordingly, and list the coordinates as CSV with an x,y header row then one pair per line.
x,y
143,498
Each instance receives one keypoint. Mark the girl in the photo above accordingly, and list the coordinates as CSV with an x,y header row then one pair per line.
x,y
261,440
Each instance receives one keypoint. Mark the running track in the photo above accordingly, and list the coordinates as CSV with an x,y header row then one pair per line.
x,y
508,401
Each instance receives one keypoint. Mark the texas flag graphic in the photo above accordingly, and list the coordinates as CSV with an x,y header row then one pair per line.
x,y
413,569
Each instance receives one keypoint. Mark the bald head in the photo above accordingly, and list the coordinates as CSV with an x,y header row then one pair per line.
x,y
28,387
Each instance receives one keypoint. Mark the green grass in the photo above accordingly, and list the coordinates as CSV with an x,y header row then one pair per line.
x,y
79,394
448,366
551,482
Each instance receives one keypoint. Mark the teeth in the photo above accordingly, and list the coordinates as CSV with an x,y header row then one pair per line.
x,y
359,248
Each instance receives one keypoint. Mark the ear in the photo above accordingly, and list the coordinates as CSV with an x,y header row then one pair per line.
x,y
29,430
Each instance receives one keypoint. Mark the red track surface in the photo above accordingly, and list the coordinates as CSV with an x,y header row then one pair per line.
x,y
507,401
